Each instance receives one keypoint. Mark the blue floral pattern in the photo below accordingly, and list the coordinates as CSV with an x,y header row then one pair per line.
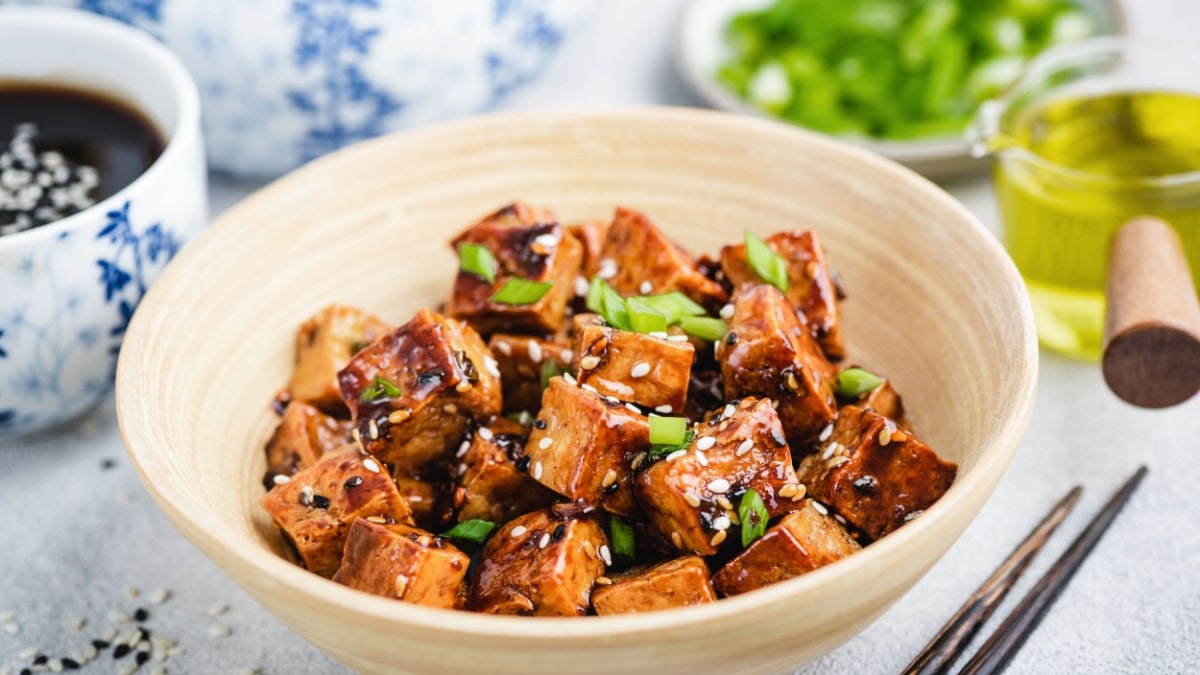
x,y
343,106
134,12
535,32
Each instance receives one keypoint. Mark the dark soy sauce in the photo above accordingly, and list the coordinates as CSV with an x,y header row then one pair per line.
x,y
63,150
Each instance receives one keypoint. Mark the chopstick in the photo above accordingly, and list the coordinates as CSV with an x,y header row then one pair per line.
x,y
1002,646
940,654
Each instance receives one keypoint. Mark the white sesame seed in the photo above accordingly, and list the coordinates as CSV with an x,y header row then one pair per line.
x,y
176,652
664,408
75,623
485,433
885,436
462,468
218,609
676,455
588,387
729,410
589,362
569,379
646,288
838,461
28,653
604,581
727,312
544,541
826,433
8,616
787,490
567,356
633,408
838,517
582,286
691,499
820,508
613,400
548,240
705,442
373,429
462,449
492,366
662,335
370,465
677,338
55,665
746,446
637,460
718,486
159,670
128,669
830,449
605,554
545,442
117,616
535,351
701,458
503,347
721,523
218,631
640,369
676,539
608,269
718,538
518,531
280,479
609,478
537,470
724,502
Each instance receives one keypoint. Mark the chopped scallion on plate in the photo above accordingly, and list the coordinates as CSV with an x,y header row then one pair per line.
x,y
521,292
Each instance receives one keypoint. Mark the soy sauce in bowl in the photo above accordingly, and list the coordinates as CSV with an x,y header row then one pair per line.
x,y
63,150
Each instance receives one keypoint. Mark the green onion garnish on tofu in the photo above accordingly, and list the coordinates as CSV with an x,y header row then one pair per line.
x,y
471,530
379,388
854,382
477,259
521,292
644,318
766,263
668,434
703,327
622,539
550,368
674,305
753,514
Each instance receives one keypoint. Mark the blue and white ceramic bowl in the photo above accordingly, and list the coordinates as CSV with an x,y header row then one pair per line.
x,y
284,81
68,289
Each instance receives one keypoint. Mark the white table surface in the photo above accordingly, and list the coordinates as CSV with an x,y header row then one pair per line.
x,y
78,538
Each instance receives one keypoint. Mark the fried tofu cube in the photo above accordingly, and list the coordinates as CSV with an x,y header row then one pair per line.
x,y
490,484
415,391
302,436
652,372
590,233
692,495
874,474
324,345
802,541
582,446
641,260
527,244
811,287
542,564
402,562
316,508
525,363
767,352
682,582
427,499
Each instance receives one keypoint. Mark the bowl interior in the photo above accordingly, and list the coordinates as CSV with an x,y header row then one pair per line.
x,y
933,302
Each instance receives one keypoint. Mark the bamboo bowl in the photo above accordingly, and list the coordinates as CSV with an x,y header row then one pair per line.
x,y
934,302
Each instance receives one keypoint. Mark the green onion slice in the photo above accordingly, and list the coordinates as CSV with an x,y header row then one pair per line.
x,y
667,430
471,530
550,368
521,292
854,382
477,259
379,388
595,296
622,539
674,305
765,262
644,318
659,449
613,307
703,327
753,514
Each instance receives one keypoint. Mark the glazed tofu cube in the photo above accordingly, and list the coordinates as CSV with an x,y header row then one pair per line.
x,y
801,542
582,446
811,287
542,564
874,474
527,244
316,508
402,562
883,400
640,260
302,436
525,362
677,583
428,500
415,391
491,484
590,233
652,372
324,345
767,352
692,495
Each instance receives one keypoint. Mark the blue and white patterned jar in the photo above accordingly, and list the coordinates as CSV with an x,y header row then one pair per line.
x,y
283,81
68,289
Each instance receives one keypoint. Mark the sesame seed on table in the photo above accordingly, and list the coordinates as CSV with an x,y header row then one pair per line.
x,y
81,533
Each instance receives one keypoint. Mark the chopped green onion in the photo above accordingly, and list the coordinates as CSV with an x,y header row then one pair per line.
x,y
471,530
667,430
477,259
550,368
659,449
854,382
595,295
674,305
522,417
379,388
622,539
753,514
521,292
613,308
704,327
645,319
765,262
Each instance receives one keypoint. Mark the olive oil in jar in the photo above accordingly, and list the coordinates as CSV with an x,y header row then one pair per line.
x,y
1069,173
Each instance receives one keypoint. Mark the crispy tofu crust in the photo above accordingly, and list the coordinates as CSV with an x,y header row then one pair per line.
x,y
522,360
682,582
491,486
302,436
324,345
402,562
644,261
652,372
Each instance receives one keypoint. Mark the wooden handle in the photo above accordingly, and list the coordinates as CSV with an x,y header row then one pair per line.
x,y
1152,327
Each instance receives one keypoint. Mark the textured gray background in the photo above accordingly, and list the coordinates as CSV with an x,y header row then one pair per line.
x,y
74,536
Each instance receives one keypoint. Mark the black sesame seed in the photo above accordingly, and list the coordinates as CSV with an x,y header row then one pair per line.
x,y
108,464
141,614
867,485
41,660
558,532
731,339
99,644
777,436
612,488
121,650
142,657
143,635
26,671
706,521
429,376
320,501
70,664
352,482
539,424
523,463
